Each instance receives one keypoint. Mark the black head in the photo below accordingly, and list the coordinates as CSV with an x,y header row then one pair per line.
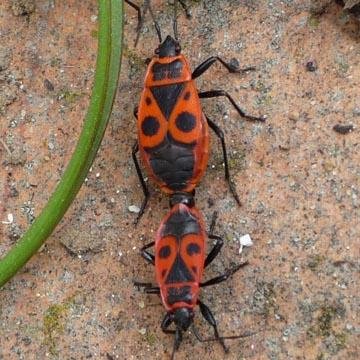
x,y
182,198
183,318
169,47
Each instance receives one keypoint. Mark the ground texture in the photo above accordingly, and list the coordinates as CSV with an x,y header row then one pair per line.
x,y
298,180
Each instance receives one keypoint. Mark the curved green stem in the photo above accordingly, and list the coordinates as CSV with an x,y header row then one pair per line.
x,y
103,93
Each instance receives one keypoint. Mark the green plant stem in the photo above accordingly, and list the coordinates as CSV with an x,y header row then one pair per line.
x,y
103,93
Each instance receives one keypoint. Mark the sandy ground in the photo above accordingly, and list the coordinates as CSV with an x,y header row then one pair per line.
x,y
298,180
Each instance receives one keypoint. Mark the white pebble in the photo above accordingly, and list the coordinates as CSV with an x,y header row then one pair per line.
x,y
134,209
10,219
245,240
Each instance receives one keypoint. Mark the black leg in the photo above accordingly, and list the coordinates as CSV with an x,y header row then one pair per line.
x,y
219,133
211,60
215,250
221,278
217,93
135,112
218,243
213,222
135,149
167,321
149,288
137,8
209,317
150,258
186,9
140,20
243,335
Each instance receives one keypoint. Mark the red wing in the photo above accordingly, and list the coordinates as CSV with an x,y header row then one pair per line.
x,y
185,123
192,250
166,249
152,125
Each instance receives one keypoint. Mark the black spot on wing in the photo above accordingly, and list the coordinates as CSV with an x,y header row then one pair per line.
x,y
185,121
192,249
164,252
148,101
166,97
179,272
150,126
187,95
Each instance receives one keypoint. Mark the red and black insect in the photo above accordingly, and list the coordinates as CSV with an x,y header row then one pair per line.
x,y
172,128
179,264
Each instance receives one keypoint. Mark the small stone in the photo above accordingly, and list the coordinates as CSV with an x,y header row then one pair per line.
x,y
10,218
294,116
142,331
356,111
49,85
245,240
343,129
134,209
311,66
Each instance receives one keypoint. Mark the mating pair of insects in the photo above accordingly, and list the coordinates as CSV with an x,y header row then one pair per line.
x,y
173,141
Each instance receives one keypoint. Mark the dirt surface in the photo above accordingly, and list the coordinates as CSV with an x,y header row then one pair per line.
x,y
298,180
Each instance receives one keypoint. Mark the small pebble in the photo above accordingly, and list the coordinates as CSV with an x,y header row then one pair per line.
x,y
142,331
311,66
294,116
48,85
245,240
134,209
343,129
10,219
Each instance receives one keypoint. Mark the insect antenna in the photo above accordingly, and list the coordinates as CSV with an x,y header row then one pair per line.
x,y
156,24
175,21
177,340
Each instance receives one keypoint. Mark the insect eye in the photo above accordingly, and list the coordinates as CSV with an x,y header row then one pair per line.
x,y
157,51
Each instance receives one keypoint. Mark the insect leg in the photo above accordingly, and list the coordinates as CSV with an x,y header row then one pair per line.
x,y
135,112
221,278
150,258
220,134
215,250
209,317
217,93
200,69
135,149
185,7
149,288
137,8
140,19
167,321
218,243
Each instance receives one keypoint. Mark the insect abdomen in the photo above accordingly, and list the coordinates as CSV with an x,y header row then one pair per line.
x,y
172,163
